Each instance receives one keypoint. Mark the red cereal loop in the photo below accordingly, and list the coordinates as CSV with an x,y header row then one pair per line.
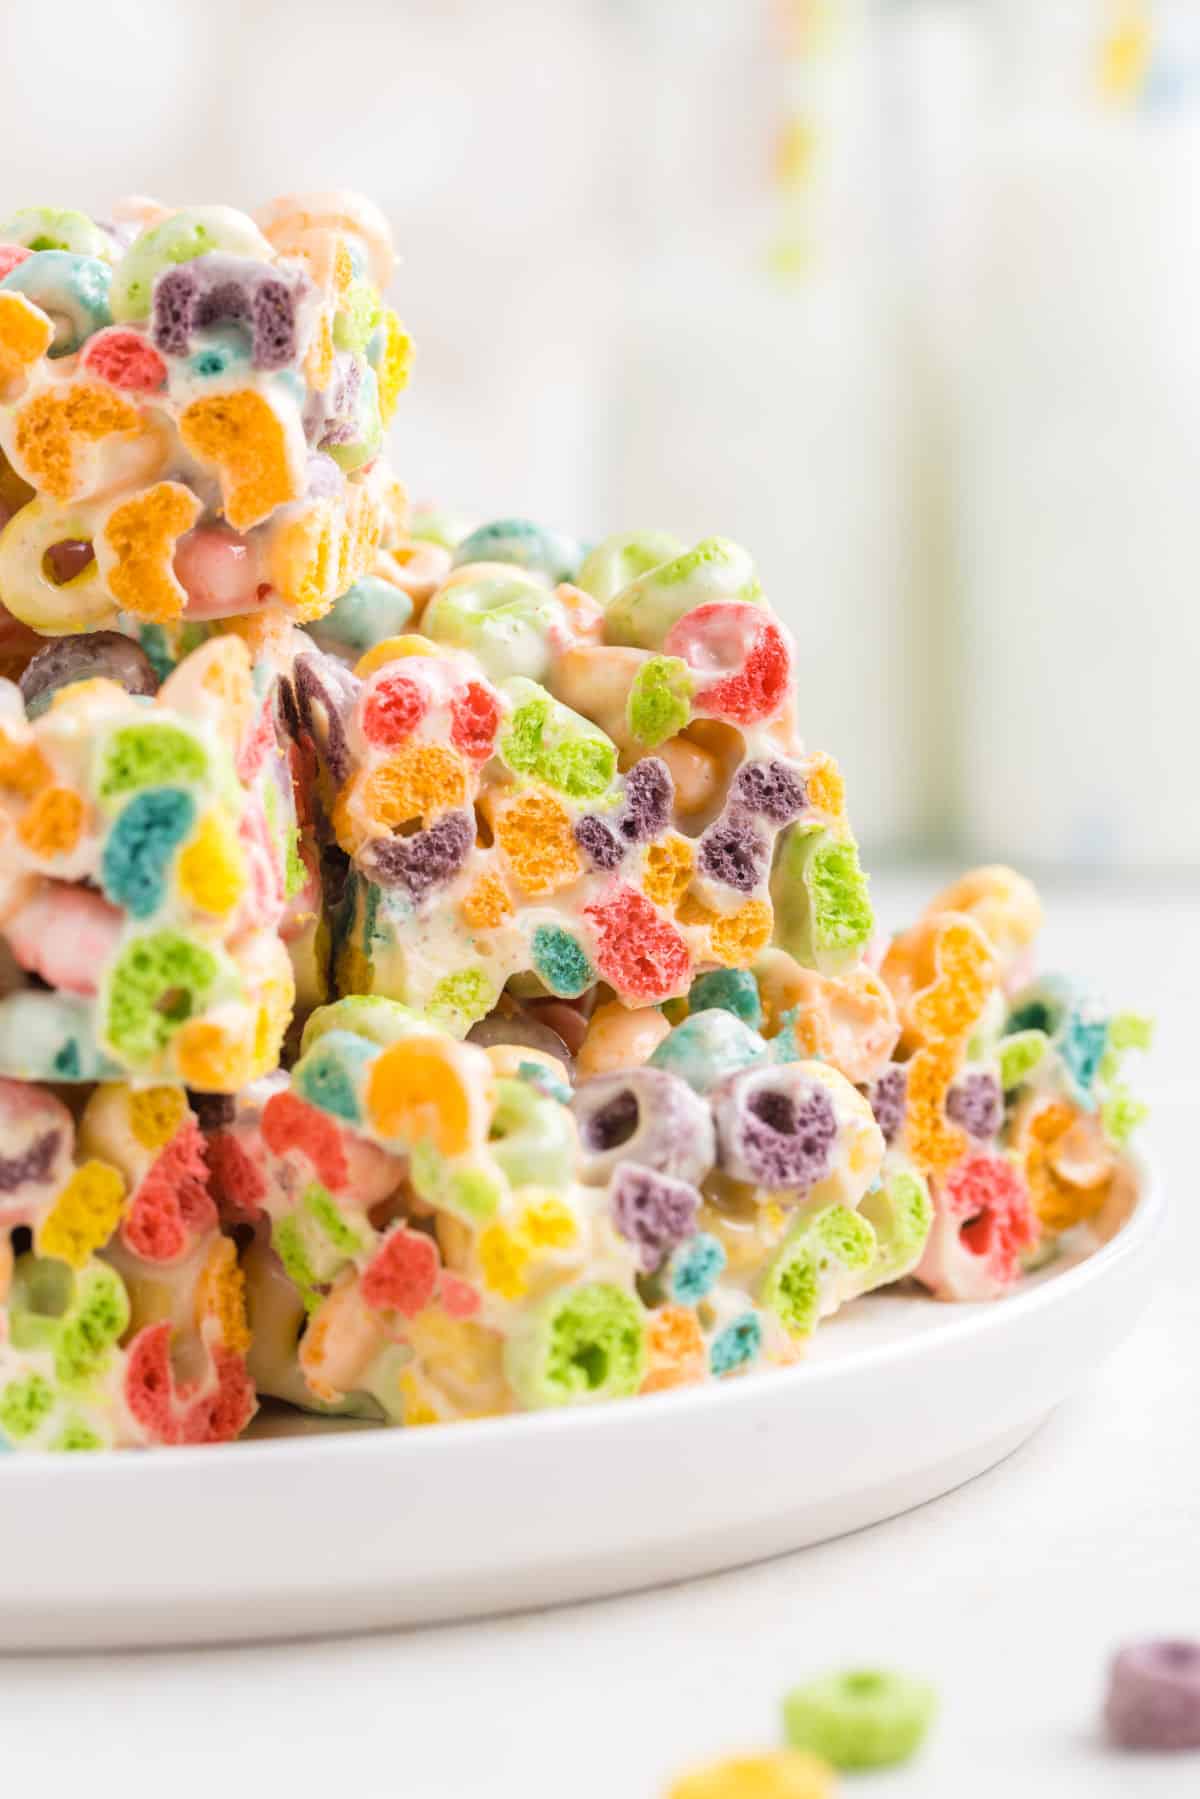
x,y
474,721
149,1382
402,1274
287,1123
260,742
636,950
221,1416
125,359
989,1194
238,1185
394,709
727,629
459,1298
172,1202
10,256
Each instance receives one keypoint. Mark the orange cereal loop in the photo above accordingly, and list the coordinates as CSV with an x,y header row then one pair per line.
x,y
418,781
738,937
417,1093
23,768
392,649
221,1295
135,548
693,911
667,870
965,965
212,1058
155,1114
487,904
25,336
535,835
84,1215
243,436
49,426
1068,1165
675,1349
52,823
825,788
934,1143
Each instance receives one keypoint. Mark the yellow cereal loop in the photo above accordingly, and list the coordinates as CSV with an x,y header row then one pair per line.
x,y
155,1114
667,870
487,904
25,336
393,649
738,937
221,1296
395,366
535,836
323,548
503,1261
84,1215
211,868
825,788
54,423
244,439
548,1224
782,1774
318,358
30,594
53,823
214,1057
693,911
416,1407
135,548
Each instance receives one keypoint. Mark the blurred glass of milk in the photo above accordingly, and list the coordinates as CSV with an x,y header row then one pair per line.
x,y
762,385
1078,438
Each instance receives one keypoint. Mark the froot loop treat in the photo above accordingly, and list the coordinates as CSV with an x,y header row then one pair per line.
x,y
192,411
436,978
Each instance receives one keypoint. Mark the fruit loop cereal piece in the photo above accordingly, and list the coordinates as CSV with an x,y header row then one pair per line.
x,y
1153,1700
779,1774
646,1116
983,1225
863,1718
799,1129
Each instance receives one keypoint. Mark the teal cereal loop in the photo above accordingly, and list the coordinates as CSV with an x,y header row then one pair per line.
x,y
71,290
577,1346
504,615
736,1346
900,1212
149,755
560,962
366,613
196,231
817,1251
728,990
644,612
222,351
532,1137
823,911
139,848
863,1718
707,1047
25,1405
660,700
329,1075
54,228
525,545
546,739
695,1269
153,640
78,1318
609,568
158,981
544,1079
51,1037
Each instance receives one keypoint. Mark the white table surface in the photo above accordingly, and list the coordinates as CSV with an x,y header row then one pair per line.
x,y
1007,1593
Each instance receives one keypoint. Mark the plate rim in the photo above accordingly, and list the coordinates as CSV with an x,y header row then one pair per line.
x,y
1143,1228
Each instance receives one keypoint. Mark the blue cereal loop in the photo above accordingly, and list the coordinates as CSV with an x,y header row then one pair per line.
x,y
695,1268
736,1346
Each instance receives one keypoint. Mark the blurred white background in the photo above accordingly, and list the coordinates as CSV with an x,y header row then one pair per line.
x,y
904,296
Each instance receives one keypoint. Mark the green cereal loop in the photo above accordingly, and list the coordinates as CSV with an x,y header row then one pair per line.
x,y
1121,1115
473,1193
460,1000
614,563
76,1436
100,1318
320,1205
560,962
659,704
504,615
900,1213
1019,1055
359,311
371,1015
645,611
815,1248
149,755
822,905
532,1137
158,982
863,1718
25,1404
196,231
1130,1030
546,739
287,1240
52,228
732,990
580,1345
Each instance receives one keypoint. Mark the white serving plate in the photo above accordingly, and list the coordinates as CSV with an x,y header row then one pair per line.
x,y
318,1527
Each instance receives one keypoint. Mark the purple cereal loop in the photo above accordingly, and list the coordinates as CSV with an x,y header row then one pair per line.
x,y
652,1211
323,479
649,793
598,843
770,789
643,1115
733,853
1154,1696
976,1104
215,290
775,1130
426,860
316,687
889,1101
33,1164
